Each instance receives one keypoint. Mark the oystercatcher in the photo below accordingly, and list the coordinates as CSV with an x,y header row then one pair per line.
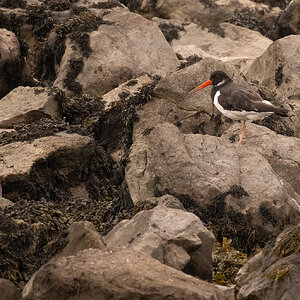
x,y
238,102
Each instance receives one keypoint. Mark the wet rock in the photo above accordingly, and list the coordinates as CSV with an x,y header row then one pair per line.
x,y
122,48
9,291
26,105
174,237
9,55
229,184
274,272
237,45
82,235
278,67
118,274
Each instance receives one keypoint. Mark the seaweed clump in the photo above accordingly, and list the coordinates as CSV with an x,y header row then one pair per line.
x,y
41,20
13,3
226,262
170,31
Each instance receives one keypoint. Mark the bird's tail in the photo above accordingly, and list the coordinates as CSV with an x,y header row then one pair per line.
x,y
281,112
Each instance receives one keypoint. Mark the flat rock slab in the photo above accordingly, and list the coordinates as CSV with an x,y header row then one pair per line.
x,y
18,158
125,90
115,274
238,45
26,105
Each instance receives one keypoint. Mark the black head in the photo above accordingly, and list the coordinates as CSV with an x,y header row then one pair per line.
x,y
219,78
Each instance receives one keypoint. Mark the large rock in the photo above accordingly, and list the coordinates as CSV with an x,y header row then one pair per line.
x,y
82,235
273,273
213,173
126,47
238,45
26,105
115,274
279,67
174,237
9,53
288,21
9,291
19,157
31,169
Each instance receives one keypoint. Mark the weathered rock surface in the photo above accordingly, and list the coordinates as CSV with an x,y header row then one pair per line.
x,y
288,21
25,104
279,67
82,235
9,53
127,47
238,45
279,150
174,237
273,273
208,171
125,90
115,274
18,158
9,291
204,12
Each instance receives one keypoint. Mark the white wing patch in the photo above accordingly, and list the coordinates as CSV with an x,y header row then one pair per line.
x,y
267,102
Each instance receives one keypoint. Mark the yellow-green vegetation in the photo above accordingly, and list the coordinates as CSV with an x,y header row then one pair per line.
x,y
226,262
279,273
288,245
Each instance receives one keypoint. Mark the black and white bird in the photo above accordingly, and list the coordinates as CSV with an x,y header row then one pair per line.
x,y
238,102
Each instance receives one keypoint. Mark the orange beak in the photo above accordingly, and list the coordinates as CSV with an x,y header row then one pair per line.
x,y
200,87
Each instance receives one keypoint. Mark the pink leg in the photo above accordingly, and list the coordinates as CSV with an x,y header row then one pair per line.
x,y
242,132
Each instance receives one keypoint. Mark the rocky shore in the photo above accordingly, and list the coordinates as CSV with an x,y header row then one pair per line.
x,y
118,184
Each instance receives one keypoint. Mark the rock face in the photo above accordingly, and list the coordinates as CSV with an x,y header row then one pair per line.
x,y
82,235
218,172
289,21
278,68
19,157
9,53
174,237
22,159
8,290
273,273
25,104
115,274
237,45
126,47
